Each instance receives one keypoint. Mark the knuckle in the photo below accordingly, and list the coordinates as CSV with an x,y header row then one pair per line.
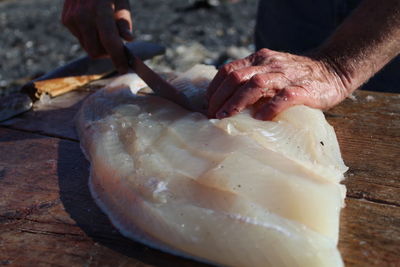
x,y
264,52
276,66
123,14
226,69
257,81
235,77
288,94
275,63
262,56
273,60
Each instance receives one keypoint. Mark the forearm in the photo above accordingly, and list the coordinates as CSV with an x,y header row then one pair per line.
x,y
366,41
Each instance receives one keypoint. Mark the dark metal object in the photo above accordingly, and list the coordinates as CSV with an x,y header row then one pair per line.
x,y
14,104
19,102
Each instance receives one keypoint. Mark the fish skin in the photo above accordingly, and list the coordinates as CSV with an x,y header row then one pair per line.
x,y
233,192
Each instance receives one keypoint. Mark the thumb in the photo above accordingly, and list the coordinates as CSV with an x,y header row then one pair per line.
x,y
285,99
123,19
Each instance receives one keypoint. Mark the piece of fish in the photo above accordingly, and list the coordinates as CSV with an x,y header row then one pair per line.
x,y
233,192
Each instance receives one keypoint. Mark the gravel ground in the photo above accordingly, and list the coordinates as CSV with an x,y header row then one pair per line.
x,y
33,41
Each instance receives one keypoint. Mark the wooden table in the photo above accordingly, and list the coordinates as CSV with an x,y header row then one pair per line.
x,y
47,216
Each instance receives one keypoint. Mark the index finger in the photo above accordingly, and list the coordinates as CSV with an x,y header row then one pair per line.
x,y
109,36
259,86
254,59
122,15
223,73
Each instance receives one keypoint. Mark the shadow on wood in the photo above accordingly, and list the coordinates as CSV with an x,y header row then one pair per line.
x,y
73,173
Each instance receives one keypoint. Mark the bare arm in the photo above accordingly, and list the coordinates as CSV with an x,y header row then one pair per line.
x,y
365,42
273,81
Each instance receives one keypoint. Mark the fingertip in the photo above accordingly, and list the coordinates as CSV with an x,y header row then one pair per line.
x,y
124,23
258,116
222,114
265,115
269,110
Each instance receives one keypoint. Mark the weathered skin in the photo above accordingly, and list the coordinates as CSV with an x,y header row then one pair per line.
x,y
280,80
359,48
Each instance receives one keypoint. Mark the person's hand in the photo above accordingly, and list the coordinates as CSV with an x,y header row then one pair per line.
x,y
99,26
271,82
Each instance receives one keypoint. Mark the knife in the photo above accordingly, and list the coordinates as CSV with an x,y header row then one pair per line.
x,y
68,77
160,86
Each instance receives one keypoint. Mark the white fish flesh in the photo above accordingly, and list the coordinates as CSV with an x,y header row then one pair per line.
x,y
233,192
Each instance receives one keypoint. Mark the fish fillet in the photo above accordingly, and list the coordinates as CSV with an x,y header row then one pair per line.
x,y
232,192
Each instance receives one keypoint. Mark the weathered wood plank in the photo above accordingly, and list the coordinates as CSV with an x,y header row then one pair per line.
x,y
47,216
370,234
57,223
55,118
368,130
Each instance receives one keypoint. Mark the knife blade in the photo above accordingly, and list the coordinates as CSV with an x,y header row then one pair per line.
x,y
68,77
159,86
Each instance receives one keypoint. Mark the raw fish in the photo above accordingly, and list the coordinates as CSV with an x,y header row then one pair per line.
x,y
232,192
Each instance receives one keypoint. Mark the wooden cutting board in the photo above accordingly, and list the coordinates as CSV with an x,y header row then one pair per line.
x,y
47,216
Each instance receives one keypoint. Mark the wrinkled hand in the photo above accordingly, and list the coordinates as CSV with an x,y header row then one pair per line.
x,y
271,82
99,26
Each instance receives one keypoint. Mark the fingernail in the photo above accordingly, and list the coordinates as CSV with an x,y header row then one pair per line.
x,y
258,116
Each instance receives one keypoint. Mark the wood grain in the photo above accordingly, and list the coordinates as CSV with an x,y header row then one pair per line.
x,y
370,233
368,130
48,218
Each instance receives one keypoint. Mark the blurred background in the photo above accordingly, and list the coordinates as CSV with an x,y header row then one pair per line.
x,y
33,41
